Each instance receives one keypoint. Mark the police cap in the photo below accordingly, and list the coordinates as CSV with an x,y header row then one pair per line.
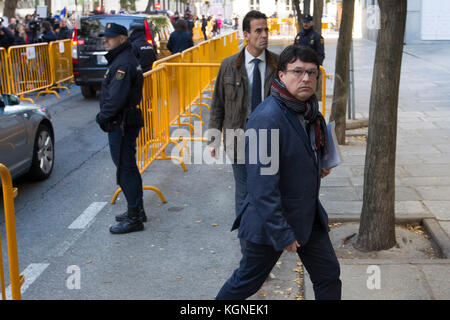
x,y
114,30
307,18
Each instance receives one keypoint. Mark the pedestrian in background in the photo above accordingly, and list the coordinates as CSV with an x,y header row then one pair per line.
x,y
180,39
47,32
282,211
64,31
190,22
310,38
6,37
204,25
243,81
119,116
143,50
20,36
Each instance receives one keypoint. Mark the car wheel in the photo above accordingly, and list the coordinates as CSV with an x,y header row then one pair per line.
x,y
88,92
43,154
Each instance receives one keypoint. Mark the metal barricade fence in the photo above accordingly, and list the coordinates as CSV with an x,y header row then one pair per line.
x,y
16,280
4,71
36,67
324,90
61,68
29,69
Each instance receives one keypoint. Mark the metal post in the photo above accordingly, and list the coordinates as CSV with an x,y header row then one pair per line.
x,y
351,87
353,80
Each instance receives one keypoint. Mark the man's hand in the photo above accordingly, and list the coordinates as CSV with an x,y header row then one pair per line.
x,y
214,152
324,172
293,247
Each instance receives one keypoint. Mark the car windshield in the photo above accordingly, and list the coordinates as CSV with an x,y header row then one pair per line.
x,y
92,27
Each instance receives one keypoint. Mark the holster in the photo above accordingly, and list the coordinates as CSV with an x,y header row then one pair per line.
x,y
132,118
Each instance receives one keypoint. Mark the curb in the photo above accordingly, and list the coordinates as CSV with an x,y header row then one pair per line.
x,y
439,236
430,224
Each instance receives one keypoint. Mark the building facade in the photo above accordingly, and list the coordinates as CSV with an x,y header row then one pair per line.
x,y
426,20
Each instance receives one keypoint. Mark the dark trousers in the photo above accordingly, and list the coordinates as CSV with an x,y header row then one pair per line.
x,y
130,178
204,35
257,261
240,182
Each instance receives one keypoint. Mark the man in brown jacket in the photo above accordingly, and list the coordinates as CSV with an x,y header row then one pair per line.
x,y
243,82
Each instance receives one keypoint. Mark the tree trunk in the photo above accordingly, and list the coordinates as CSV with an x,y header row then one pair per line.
x,y
10,8
318,11
307,7
340,93
48,3
149,6
377,226
299,14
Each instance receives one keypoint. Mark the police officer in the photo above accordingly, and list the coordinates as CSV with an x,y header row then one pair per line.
x,y
310,38
143,50
121,92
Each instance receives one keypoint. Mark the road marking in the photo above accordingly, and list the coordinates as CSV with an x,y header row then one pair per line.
x,y
87,216
31,273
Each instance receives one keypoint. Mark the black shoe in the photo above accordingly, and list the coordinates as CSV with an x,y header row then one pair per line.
x,y
126,226
141,215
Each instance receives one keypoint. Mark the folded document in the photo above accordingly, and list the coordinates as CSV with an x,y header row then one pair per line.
x,y
334,156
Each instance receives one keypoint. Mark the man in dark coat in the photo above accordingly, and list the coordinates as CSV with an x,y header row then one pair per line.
x,y
64,32
282,210
6,37
311,38
243,81
180,39
122,92
47,32
143,50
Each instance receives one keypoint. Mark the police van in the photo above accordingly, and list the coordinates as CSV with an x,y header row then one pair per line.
x,y
88,51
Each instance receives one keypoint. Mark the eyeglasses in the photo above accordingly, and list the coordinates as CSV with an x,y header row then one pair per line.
x,y
299,73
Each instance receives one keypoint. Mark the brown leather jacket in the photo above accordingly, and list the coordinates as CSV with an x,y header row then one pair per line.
x,y
229,108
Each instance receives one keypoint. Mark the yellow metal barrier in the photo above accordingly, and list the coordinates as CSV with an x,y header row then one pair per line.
x,y
36,67
4,72
192,91
29,69
8,198
61,70
324,90
282,26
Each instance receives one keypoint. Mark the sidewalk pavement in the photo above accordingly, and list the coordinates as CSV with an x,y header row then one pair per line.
x,y
422,175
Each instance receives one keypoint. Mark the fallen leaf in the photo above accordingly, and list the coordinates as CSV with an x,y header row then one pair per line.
x,y
179,277
347,239
214,225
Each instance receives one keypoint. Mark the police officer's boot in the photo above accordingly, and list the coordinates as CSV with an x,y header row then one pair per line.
x,y
141,214
130,224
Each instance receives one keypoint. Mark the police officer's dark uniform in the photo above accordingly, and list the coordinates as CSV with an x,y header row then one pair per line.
x,y
143,50
121,92
311,38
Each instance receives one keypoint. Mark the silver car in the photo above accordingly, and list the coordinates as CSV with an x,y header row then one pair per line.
x,y
26,138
